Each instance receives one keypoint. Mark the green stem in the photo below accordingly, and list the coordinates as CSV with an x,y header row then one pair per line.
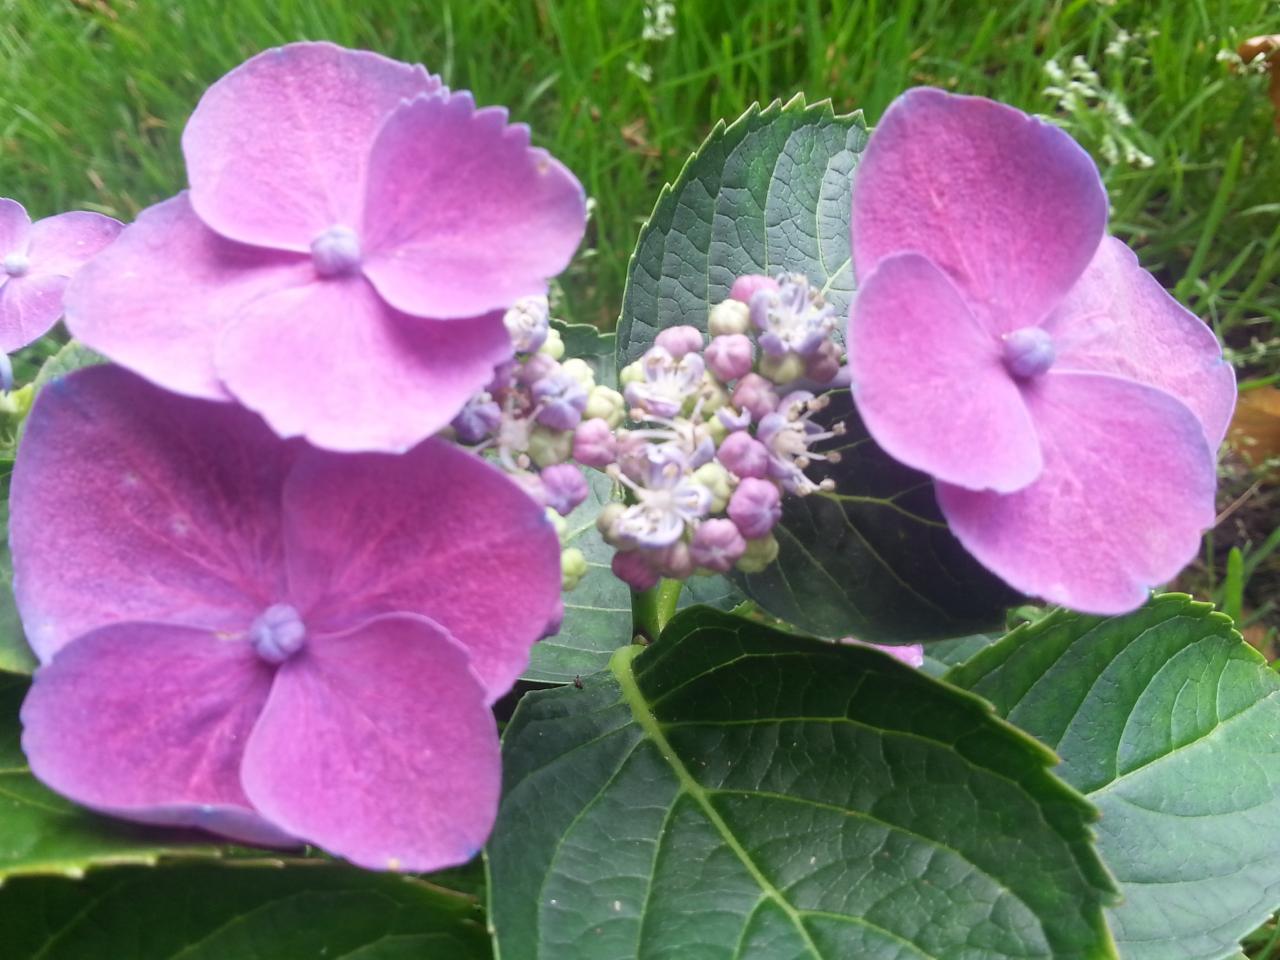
x,y
653,609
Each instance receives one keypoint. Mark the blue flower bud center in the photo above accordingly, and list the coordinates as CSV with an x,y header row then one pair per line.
x,y
336,251
16,264
278,633
1028,352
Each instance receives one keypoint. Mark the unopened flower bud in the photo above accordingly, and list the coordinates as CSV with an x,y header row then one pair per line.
x,y
823,365
538,367
782,369
566,487
680,340
528,322
581,371
759,554
561,400
717,544
715,478
573,567
747,285
712,395
716,430
548,446
756,395
675,561
606,521
477,420
632,568
553,346
729,317
730,356
606,404
631,373
744,455
756,507
594,444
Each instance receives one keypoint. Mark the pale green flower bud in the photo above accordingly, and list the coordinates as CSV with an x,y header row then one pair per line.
x,y
573,567
631,373
553,346
607,405
547,446
732,316
783,369
760,553
605,520
581,371
718,480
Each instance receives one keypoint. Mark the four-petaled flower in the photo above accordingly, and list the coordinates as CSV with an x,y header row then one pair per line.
x,y
1068,408
36,262
341,264
265,640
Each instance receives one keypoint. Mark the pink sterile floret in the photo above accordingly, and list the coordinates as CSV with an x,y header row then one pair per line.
x,y
36,262
1068,407
342,262
265,640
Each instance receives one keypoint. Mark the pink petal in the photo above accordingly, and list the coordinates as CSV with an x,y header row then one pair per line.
x,y
1127,489
1009,206
61,244
437,532
930,382
155,299
130,503
15,227
331,362
29,307
276,150
1118,319
149,722
377,745
462,215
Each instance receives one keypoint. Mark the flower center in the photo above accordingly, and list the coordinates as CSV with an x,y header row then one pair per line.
x,y
1028,352
16,264
336,251
278,633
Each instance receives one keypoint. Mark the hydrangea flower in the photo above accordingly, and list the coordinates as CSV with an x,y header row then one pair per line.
x,y
36,262
1068,408
265,640
342,262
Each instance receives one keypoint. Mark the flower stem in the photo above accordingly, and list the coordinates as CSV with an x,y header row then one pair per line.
x,y
651,609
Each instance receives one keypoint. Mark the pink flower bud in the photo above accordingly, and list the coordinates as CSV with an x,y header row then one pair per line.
x,y
744,455
675,561
717,545
536,368
565,487
756,394
745,286
755,507
823,364
730,357
594,444
632,567
678,341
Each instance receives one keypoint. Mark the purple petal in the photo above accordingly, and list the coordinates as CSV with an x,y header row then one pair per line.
x,y
155,299
930,383
331,362
29,307
436,532
378,746
149,722
15,227
1118,319
462,215
1127,489
277,149
61,244
1009,206
130,503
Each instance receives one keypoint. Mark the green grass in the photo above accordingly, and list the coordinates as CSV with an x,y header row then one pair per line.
x,y
93,96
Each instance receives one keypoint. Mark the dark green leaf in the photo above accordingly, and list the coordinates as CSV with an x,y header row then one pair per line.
x,y
873,559
239,913
1170,724
942,656
739,792
768,193
72,356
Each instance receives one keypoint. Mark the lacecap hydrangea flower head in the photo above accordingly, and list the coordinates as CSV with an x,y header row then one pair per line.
x,y
1068,408
352,236
266,640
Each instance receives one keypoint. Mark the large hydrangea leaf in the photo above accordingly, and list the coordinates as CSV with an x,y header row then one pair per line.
x,y
771,193
739,792
240,913
1170,724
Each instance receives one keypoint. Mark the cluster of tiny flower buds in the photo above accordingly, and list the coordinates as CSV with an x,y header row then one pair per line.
x,y
723,431
538,414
